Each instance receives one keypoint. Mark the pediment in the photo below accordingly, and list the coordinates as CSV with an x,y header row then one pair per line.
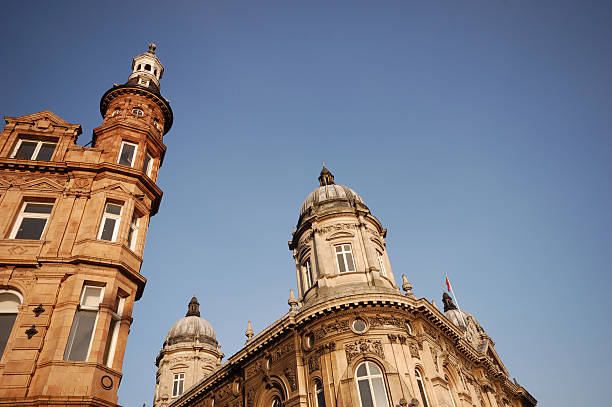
x,y
339,235
115,188
494,357
179,366
42,184
43,121
378,242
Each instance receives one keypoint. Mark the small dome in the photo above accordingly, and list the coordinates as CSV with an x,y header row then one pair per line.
x,y
329,191
192,328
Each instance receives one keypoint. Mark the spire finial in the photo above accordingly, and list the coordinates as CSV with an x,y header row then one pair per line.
x,y
326,177
406,286
448,302
152,48
249,332
293,302
193,309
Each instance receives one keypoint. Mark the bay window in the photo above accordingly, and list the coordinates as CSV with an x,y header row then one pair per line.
x,y
109,226
84,324
127,154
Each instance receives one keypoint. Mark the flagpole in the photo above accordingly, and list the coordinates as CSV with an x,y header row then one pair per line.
x,y
452,292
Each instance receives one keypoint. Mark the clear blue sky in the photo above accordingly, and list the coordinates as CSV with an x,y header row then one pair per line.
x,y
478,132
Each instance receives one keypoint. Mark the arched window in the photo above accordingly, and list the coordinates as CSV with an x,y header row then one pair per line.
x,y
371,385
9,306
450,392
319,393
421,385
148,67
276,402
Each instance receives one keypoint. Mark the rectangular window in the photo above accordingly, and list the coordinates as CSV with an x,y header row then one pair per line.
x,y
308,271
127,154
113,332
344,255
34,150
133,232
110,222
147,166
32,220
84,324
381,263
178,383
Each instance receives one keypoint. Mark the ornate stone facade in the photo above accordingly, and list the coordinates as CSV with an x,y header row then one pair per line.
x,y
354,340
73,224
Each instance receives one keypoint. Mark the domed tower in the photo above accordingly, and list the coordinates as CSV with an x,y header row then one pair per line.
x,y
136,117
338,245
189,354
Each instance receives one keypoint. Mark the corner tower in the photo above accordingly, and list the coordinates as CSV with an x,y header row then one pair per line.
x,y
73,225
338,245
189,354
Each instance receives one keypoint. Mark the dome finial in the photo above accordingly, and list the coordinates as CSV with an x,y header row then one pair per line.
x,y
193,309
326,177
152,48
448,302
249,332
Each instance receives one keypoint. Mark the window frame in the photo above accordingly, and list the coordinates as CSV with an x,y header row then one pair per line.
x,y
82,307
422,388
381,263
20,302
135,145
134,227
309,277
317,391
343,254
36,151
147,166
369,377
117,218
178,380
113,332
31,215
450,391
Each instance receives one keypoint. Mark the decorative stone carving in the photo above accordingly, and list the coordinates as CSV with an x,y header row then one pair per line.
x,y
385,320
363,346
314,363
392,337
414,350
251,397
434,355
337,227
291,378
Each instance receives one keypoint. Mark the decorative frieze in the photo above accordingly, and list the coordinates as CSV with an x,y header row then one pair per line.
x,y
363,346
291,377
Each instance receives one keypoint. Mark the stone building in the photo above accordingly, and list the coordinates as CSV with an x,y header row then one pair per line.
x,y
73,225
351,338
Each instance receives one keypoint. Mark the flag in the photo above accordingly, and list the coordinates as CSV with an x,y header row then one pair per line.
x,y
448,285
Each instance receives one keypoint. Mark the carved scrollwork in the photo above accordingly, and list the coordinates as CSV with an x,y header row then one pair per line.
x,y
363,346
291,378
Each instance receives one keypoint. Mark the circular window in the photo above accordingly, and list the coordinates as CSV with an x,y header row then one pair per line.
x,y
137,112
308,341
359,325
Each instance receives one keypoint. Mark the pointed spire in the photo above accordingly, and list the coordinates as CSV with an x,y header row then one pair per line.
x,y
293,302
326,177
448,302
406,286
193,309
249,332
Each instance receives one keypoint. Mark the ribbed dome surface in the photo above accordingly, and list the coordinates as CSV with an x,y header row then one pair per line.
x,y
191,329
329,193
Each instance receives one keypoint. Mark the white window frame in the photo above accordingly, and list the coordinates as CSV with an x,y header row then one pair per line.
x,y
11,312
123,143
369,377
381,263
115,317
344,252
134,227
308,272
421,386
117,219
179,380
149,168
22,215
39,144
89,308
